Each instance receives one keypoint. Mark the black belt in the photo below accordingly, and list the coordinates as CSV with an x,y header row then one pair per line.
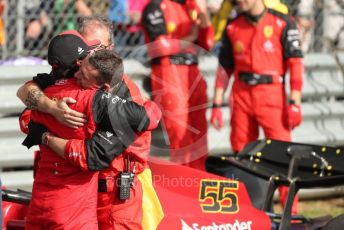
x,y
179,59
255,79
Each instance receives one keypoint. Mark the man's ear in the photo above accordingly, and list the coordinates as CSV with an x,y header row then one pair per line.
x,y
106,86
78,62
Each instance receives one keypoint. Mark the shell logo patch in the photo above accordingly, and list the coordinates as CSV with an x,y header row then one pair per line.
x,y
171,26
238,47
268,31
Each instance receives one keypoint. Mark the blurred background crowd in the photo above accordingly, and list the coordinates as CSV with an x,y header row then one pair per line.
x,y
26,27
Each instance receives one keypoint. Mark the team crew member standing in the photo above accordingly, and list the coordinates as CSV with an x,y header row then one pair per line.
x,y
257,48
177,84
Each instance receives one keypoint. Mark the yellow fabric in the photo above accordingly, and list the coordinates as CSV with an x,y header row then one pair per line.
x,y
151,207
276,5
2,33
219,20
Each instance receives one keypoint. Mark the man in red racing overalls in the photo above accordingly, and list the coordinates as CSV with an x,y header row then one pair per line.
x,y
117,215
258,47
172,30
56,200
142,210
139,202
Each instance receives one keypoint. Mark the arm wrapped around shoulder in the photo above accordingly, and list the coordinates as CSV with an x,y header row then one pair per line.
x,y
103,147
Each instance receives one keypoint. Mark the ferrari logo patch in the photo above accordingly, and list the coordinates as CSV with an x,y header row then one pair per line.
x,y
268,31
238,47
171,27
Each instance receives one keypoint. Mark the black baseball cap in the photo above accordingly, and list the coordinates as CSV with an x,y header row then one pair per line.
x,y
64,49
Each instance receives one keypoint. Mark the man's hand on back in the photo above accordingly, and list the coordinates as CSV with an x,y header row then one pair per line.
x,y
66,115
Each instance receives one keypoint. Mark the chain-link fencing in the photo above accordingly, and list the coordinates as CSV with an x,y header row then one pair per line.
x,y
26,27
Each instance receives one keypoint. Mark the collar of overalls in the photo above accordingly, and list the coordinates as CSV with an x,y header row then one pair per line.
x,y
179,1
255,18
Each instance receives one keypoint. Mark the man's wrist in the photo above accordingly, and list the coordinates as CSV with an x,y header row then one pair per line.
x,y
49,106
293,102
217,105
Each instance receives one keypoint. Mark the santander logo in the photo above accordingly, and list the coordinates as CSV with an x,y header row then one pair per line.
x,y
237,225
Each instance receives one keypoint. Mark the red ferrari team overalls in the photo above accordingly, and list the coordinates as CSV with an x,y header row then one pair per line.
x,y
64,196
259,55
143,210
177,84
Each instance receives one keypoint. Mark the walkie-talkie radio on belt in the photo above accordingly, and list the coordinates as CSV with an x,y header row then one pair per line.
x,y
126,180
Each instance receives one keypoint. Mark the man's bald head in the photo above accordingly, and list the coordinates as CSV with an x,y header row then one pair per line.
x,y
96,27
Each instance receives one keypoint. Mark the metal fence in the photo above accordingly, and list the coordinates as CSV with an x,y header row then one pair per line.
x,y
27,26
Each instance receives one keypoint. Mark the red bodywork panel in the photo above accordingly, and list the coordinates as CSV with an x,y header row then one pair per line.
x,y
190,198
13,215
193,199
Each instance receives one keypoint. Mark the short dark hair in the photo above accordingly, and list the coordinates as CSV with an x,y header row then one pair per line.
x,y
95,19
109,65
